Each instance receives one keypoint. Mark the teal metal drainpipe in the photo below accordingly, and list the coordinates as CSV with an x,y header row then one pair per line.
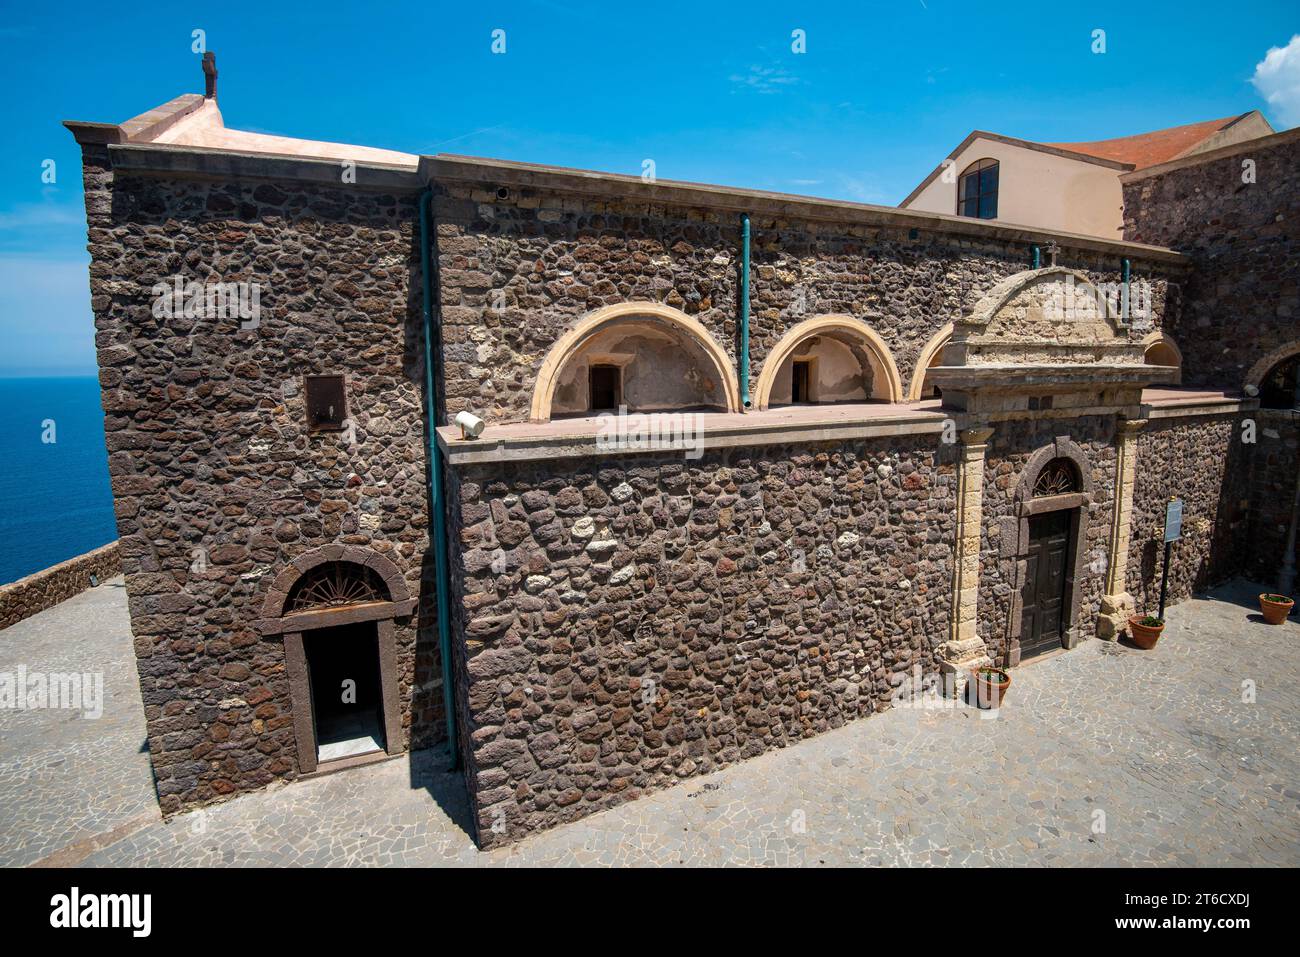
x,y
1124,306
436,510
744,312
1038,257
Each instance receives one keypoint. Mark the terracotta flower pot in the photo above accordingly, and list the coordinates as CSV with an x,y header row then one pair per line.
x,y
1144,636
1275,612
991,687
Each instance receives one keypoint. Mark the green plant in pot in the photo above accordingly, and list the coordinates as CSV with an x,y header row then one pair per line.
x,y
991,686
1275,608
1145,630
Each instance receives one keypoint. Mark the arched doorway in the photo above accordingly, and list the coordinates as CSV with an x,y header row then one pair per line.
x,y
335,607
825,360
1275,377
1050,503
1279,387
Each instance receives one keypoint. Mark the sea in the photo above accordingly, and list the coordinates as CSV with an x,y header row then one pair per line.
x,y
55,500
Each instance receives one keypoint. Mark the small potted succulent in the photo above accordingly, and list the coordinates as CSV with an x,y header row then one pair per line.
x,y
1275,607
991,686
1145,630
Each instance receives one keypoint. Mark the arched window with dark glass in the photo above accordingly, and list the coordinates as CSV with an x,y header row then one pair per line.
x,y
1278,390
977,190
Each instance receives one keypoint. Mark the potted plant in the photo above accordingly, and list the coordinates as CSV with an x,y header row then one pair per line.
x,y
991,686
1145,630
1275,607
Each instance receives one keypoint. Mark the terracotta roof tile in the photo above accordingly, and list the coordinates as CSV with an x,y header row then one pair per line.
x,y
1150,149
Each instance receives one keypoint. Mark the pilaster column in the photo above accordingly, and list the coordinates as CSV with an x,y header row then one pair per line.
x,y
970,499
964,650
1117,604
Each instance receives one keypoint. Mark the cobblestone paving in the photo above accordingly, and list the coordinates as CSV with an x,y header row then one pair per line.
x,y
1103,755
66,779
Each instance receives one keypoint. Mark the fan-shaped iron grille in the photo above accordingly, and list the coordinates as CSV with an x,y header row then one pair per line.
x,y
334,584
1057,477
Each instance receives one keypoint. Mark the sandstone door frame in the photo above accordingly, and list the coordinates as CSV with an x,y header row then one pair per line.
x,y
1015,538
295,625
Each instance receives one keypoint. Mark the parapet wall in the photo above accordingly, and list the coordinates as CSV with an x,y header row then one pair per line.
x,y
48,587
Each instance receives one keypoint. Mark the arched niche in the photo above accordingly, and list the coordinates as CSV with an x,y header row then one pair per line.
x,y
931,355
848,362
1160,349
648,356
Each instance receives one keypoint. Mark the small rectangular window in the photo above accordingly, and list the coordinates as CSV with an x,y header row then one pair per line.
x,y
799,391
326,403
606,387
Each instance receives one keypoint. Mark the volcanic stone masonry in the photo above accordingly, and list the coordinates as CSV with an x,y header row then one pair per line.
x,y
623,620
634,623
517,273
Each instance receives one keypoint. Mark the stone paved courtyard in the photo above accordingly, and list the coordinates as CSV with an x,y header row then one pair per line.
x,y
1105,755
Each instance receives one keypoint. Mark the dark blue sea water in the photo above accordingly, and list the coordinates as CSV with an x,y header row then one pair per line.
x,y
55,500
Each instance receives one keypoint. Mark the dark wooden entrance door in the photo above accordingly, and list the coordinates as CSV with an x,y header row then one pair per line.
x,y
1046,610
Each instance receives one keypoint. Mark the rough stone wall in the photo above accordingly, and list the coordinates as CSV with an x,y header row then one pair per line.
x,y
516,273
1011,446
48,587
1242,299
636,621
1275,469
1202,461
216,482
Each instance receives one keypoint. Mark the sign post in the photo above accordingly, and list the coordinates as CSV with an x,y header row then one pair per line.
x,y
1173,532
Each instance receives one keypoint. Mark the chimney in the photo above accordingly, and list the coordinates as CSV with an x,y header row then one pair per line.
x,y
209,76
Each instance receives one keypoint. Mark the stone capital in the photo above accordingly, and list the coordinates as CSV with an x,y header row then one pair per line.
x,y
974,437
1131,426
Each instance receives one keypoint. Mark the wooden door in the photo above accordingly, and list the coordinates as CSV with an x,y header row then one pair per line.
x,y
1045,596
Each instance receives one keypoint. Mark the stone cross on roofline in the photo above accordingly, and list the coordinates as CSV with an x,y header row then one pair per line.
x,y
209,76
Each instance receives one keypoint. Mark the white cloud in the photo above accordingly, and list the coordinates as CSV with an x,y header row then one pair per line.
x,y
38,215
1277,80
763,79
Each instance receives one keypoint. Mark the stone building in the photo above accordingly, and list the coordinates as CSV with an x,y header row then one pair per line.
x,y
859,444
1075,187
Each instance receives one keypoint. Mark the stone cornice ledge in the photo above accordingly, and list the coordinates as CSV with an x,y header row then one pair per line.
x,y
532,443
1209,405
217,164
212,164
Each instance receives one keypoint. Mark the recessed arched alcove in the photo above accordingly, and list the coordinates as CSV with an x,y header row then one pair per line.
x,y
920,386
646,356
842,359
1161,350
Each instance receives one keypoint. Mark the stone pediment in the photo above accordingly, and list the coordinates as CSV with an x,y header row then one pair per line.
x,y
1045,339
1051,316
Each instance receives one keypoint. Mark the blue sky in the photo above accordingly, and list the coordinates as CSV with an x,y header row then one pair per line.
x,y
710,92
